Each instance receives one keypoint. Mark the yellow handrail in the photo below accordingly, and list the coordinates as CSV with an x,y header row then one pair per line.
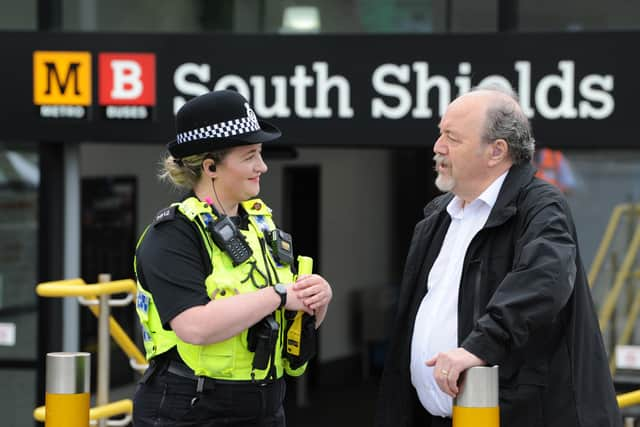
x,y
628,330
120,336
628,399
78,287
120,407
606,242
625,270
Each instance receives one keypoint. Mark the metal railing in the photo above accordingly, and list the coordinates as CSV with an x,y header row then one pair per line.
x,y
87,295
629,399
622,277
607,239
97,298
120,407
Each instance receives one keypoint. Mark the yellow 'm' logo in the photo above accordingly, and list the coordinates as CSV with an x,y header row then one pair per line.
x,y
61,78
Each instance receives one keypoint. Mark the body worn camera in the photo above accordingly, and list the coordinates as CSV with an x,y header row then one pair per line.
x,y
261,339
281,245
227,237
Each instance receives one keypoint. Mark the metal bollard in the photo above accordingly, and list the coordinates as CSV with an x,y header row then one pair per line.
x,y
67,398
477,404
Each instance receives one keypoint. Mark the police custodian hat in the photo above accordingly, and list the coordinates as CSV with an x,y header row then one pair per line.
x,y
215,121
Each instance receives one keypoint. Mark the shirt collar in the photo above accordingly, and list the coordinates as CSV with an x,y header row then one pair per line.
x,y
488,197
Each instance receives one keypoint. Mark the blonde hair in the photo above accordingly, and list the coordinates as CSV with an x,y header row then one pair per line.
x,y
184,173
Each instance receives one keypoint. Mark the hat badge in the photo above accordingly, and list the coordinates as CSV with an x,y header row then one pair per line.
x,y
250,114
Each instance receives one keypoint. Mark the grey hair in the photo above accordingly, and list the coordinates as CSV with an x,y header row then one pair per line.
x,y
506,120
184,173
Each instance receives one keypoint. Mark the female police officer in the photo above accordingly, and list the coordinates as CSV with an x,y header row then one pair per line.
x,y
215,277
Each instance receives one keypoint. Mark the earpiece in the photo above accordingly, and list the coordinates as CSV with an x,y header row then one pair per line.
x,y
212,167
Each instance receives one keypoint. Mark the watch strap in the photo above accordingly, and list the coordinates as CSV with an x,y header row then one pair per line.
x,y
282,295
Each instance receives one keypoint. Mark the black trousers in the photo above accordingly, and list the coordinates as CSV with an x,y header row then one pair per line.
x,y
166,399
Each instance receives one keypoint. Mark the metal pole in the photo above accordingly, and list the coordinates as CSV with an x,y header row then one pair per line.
x,y
104,350
67,391
50,219
72,255
477,403
88,15
508,15
448,16
613,338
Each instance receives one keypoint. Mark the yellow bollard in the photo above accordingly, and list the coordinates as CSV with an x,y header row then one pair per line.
x,y
477,404
67,398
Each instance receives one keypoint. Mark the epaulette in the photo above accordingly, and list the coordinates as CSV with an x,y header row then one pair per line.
x,y
166,214
256,207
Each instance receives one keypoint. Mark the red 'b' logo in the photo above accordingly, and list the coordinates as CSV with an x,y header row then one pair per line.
x,y
127,79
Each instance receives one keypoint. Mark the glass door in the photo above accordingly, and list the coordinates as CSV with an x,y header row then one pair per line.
x,y
19,183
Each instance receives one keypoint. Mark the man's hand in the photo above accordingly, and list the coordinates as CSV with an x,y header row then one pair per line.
x,y
448,366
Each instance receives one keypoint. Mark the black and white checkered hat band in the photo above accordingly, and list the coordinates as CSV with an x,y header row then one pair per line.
x,y
221,130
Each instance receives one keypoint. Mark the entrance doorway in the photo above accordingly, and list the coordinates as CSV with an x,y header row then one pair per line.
x,y
301,218
108,244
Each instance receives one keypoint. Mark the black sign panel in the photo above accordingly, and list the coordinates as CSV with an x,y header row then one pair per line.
x,y
333,90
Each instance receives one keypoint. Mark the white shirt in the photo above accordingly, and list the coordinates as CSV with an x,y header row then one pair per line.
x,y
436,323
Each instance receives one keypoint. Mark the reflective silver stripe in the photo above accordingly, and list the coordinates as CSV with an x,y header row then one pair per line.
x,y
479,388
68,372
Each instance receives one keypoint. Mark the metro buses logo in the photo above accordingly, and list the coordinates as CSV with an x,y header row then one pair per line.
x,y
62,83
127,88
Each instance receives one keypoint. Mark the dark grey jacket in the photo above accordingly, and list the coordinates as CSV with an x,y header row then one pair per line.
x,y
524,304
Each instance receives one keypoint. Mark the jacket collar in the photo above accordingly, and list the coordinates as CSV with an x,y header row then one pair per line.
x,y
437,205
505,206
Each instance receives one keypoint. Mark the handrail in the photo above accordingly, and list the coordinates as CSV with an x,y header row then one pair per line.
x,y
623,273
120,336
627,332
606,242
119,407
78,287
628,399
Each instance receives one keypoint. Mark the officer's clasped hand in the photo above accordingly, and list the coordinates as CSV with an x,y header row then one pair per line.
x,y
294,302
314,291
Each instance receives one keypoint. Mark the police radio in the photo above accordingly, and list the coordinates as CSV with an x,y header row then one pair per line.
x,y
226,235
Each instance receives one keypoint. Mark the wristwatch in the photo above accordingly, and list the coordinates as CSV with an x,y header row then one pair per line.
x,y
282,291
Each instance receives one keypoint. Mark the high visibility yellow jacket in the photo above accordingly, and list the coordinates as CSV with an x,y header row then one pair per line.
x,y
229,359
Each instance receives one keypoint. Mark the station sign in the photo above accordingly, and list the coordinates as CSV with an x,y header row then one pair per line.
x,y
321,90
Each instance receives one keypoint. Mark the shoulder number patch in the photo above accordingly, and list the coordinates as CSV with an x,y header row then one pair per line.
x,y
166,214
